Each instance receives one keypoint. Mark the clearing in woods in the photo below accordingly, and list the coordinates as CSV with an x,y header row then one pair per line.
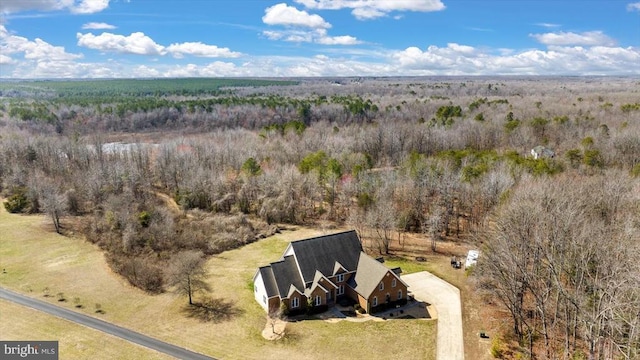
x,y
42,264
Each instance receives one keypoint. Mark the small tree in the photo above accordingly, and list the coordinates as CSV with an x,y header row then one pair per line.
x,y
251,167
276,315
187,273
54,204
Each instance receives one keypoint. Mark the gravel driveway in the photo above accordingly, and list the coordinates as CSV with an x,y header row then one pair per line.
x,y
446,298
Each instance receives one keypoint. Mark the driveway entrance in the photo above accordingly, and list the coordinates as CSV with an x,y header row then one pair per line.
x,y
446,298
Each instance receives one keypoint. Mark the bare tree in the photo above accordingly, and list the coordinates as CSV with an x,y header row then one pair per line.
x,y
563,260
53,203
187,273
434,228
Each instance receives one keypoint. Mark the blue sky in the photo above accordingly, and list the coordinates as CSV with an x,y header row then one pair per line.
x,y
193,38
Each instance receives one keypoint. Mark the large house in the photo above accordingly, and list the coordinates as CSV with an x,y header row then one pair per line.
x,y
319,271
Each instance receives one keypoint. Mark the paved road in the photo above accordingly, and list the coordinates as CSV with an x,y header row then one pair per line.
x,y
446,298
100,325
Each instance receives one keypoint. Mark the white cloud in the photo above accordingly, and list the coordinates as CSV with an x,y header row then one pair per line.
x,y
136,43
297,23
454,59
633,6
338,40
558,60
318,36
282,14
589,38
548,25
11,6
98,26
24,58
140,44
200,50
273,35
37,50
214,69
74,6
89,6
371,9
5,60
365,13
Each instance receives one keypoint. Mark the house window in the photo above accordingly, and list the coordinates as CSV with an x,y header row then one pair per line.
x,y
393,283
399,294
375,301
318,300
264,299
340,278
255,288
341,289
295,302
381,287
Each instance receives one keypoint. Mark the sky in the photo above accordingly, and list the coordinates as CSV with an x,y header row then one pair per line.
x,y
312,38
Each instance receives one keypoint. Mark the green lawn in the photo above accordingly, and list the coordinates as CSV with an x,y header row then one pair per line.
x,y
37,259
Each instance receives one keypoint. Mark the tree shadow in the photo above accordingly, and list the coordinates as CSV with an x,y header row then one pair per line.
x,y
212,310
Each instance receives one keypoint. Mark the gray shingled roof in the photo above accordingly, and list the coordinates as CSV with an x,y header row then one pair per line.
x,y
286,274
322,252
370,273
268,280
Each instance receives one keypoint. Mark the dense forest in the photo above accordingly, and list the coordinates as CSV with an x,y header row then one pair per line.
x,y
151,169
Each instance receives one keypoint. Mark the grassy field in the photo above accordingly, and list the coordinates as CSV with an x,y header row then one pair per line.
x,y
75,342
39,262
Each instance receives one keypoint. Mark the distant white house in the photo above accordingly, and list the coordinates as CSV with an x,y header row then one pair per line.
x,y
541,152
472,258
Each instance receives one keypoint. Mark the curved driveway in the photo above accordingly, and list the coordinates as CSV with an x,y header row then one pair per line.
x,y
100,325
446,298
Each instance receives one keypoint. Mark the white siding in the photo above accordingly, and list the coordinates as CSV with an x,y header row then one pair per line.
x,y
288,251
260,292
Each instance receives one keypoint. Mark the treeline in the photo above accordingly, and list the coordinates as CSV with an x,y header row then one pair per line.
x,y
117,205
563,259
78,90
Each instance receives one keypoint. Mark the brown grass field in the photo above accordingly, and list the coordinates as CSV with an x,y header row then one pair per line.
x,y
40,262
76,342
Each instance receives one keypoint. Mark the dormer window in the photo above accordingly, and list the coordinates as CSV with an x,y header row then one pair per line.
x,y
340,278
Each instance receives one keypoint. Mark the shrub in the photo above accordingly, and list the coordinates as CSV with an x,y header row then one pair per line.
x,y
312,310
284,309
497,348
140,272
593,158
574,156
17,202
144,218
511,125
